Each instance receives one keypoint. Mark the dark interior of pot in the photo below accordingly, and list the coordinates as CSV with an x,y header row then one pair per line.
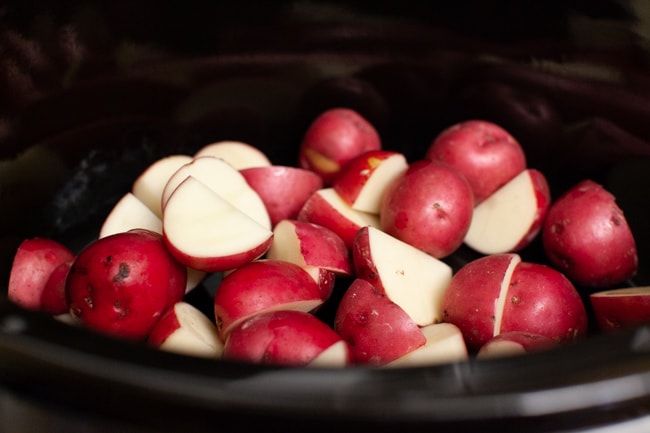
x,y
93,92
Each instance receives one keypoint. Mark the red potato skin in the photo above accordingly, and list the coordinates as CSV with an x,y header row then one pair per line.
x,y
364,266
325,279
429,206
335,137
285,338
283,189
33,263
165,326
258,286
326,282
219,263
317,210
377,330
121,284
586,236
541,300
614,314
53,298
353,176
330,246
469,301
484,152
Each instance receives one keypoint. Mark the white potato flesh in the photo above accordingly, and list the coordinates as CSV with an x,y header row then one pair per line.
x,y
500,349
201,223
335,356
370,196
68,319
197,335
413,279
130,213
360,218
194,278
224,179
503,293
286,244
502,220
444,344
624,292
149,186
238,154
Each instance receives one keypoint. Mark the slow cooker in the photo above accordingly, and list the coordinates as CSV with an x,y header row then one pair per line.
x,y
92,92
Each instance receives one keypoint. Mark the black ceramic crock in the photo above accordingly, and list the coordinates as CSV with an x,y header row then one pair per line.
x,y
92,92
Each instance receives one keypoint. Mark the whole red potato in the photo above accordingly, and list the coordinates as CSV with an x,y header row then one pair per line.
x,y
484,152
335,137
121,284
429,206
283,189
586,236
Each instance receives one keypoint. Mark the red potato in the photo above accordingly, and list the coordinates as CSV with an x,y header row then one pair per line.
x,y
337,355
510,218
53,298
586,237
68,319
499,293
485,153
283,189
326,208
32,265
543,301
286,338
149,186
236,153
413,279
194,278
263,285
444,344
377,329
362,181
223,179
515,343
205,232
130,213
429,206
335,137
324,278
185,329
473,300
309,244
620,309
120,285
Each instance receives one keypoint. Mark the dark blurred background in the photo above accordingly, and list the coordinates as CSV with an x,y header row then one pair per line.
x,y
565,77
